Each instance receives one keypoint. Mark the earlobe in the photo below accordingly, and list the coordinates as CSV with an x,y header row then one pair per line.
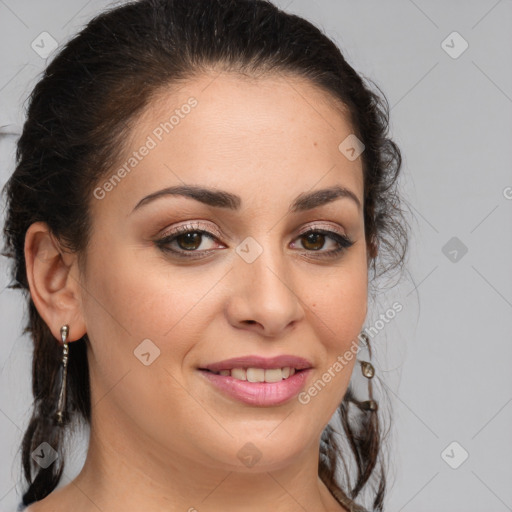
x,y
53,282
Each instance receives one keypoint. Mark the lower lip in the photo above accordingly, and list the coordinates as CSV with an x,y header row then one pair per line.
x,y
263,394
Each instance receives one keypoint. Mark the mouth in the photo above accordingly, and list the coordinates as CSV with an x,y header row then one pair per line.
x,y
258,374
259,381
250,385
254,368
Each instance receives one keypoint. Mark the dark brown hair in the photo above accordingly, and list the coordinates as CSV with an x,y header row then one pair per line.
x,y
78,117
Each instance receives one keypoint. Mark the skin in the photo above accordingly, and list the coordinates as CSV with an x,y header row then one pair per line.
x,y
162,438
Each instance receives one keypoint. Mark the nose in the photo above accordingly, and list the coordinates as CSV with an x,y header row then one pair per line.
x,y
263,295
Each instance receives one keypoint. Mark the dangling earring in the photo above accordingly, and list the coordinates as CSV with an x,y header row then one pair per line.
x,y
368,371
64,331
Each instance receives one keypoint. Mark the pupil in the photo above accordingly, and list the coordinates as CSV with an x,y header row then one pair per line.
x,y
314,238
190,241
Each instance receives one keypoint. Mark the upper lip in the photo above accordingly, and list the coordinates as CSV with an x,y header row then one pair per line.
x,y
299,363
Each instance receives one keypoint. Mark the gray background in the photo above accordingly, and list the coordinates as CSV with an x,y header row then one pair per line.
x,y
445,359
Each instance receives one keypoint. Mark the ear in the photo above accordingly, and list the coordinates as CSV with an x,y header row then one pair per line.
x,y
53,278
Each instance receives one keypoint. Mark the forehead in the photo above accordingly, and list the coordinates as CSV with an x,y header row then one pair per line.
x,y
260,137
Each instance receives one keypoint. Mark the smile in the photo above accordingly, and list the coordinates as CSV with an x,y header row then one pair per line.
x,y
259,374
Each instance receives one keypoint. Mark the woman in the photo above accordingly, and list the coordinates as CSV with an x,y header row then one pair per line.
x,y
204,192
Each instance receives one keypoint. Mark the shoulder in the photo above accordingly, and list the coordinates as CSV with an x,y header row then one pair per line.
x,y
57,501
39,506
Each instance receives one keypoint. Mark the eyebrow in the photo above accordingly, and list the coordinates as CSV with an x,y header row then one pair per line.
x,y
223,199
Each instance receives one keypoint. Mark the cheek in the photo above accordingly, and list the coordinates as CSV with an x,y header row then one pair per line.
x,y
135,307
338,307
134,294
339,303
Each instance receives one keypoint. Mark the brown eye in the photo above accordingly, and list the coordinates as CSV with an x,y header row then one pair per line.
x,y
316,241
189,241
313,241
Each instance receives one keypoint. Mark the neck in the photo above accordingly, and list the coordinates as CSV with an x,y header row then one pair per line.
x,y
124,471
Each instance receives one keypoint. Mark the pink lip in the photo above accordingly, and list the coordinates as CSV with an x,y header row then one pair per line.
x,y
299,363
263,394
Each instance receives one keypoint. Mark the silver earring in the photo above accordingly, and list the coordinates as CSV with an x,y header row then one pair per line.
x,y
64,331
368,371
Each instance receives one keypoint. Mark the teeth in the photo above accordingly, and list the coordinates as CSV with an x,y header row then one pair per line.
x,y
273,375
259,374
238,373
255,375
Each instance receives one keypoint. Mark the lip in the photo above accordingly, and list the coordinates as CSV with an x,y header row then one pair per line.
x,y
261,394
299,363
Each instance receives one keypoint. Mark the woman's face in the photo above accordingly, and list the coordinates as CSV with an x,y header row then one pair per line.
x,y
158,311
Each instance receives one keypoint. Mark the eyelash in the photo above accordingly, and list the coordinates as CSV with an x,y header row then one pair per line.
x,y
343,242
